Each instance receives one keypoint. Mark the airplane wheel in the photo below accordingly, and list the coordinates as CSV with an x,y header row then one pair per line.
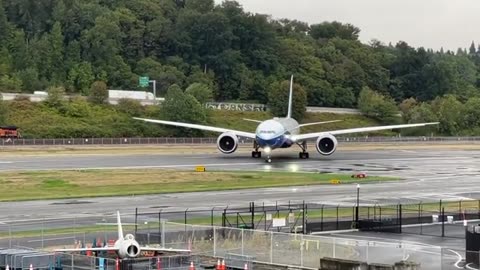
x,y
303,155
256,154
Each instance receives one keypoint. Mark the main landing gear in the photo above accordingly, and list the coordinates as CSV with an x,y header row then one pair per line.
x,y
304,154
255,152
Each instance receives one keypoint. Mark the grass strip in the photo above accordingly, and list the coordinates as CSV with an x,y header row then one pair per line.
x,y
40,185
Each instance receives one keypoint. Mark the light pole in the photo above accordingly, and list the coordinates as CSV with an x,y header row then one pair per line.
x,y
148,233
154,90
357,206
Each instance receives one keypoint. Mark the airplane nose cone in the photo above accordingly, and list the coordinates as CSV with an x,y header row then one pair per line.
x,y
270,134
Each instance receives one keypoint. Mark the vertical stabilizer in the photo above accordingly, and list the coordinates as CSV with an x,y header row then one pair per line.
x,y
119,224
290,97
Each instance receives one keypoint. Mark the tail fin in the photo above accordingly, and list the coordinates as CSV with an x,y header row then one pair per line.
x,y
289,114
119,224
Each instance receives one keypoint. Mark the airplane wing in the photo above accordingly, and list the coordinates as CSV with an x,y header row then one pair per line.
x,y
200,127
164,249
319,123
302,137
86,249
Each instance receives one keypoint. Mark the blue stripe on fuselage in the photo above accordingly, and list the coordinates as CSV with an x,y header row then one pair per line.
x,y
277,142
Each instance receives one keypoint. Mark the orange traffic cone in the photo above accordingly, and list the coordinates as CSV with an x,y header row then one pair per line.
x,y
246,267
31,267
192,267
159,263
218,266
223,265
117,264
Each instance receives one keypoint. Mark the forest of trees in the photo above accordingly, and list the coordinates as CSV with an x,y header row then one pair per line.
x,y
237,55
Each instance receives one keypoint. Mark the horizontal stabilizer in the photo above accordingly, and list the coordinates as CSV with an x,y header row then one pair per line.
x,y
252,120
319,123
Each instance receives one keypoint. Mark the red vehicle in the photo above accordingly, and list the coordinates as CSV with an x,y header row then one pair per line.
x,y
9,132
359,175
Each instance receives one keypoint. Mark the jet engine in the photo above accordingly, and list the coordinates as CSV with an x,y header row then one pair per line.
x,y
326,144
129,248
227,143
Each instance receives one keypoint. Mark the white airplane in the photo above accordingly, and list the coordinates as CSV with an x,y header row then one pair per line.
x,y
125,247
281,133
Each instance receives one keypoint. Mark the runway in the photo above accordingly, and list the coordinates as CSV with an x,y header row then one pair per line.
x,y
428,176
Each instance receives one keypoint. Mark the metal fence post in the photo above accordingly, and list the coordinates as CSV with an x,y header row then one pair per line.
x,y
271,247
160,225
136,220
214,241
321,219
242,241
443,222
163,233
302,246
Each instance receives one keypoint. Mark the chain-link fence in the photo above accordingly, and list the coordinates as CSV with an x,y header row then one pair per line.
x,y
189,140
295,250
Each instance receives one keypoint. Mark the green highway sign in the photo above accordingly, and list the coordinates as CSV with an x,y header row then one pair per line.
x,y
143,81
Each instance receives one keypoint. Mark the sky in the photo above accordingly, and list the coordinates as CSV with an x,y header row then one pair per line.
x,y
421,23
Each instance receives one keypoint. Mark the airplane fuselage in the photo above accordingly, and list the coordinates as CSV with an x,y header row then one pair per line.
x,y
276,133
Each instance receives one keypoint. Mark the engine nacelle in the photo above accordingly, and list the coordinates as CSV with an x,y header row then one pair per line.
x,y
326,144
227,143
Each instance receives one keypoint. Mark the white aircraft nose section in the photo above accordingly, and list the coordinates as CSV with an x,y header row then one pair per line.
x,y
269,129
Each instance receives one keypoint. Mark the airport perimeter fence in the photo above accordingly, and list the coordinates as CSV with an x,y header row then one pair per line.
x,y
440,219
279,248
290,217
443,219
296,250
8,142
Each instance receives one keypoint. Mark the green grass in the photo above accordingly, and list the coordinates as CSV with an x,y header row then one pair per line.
x,y
18,186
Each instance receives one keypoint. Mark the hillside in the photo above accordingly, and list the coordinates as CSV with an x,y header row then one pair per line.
x,y
238,54
79,119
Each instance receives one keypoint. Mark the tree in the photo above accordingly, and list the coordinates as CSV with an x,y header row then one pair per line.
x,y
329,30
201,92
471,114
473,49
129,106
278,95
55,54
3,111
56,97
81,77
181,107
449,112
344,97
98,93
377,106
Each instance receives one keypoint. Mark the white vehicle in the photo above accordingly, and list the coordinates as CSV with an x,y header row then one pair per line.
x,y
125,246
281,133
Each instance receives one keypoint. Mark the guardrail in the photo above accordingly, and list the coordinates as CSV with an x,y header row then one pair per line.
x,y
188,140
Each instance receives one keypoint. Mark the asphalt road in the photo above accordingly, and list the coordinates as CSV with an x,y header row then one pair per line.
x,y
429,175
